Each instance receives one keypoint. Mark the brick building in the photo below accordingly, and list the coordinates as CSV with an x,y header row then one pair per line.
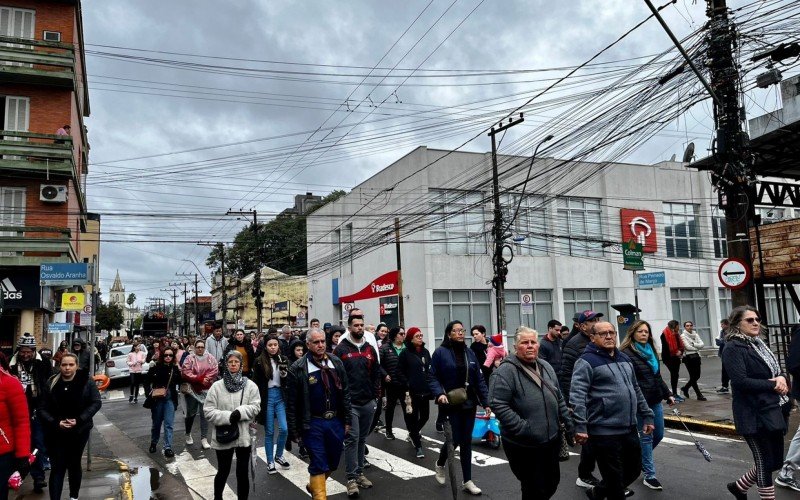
x,y
43,213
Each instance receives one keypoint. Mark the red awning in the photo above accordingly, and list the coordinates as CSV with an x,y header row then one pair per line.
x,y
380,287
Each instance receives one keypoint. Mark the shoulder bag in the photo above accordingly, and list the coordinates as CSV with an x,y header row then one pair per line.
x,y
563,451
161,392
228,433
458,395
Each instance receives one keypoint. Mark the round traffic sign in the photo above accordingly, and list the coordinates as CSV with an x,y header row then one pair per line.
x,y
734,273
87,309
526,298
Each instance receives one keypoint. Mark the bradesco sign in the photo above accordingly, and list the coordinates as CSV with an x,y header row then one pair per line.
x,y
381,286
64,274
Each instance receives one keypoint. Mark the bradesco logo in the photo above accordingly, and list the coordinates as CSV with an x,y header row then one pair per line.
x,y
641,226
9,290
388,287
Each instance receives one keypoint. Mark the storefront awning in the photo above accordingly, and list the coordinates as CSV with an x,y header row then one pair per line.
x,y
380,287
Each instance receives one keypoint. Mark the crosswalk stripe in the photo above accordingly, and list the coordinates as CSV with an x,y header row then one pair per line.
x,y
117,394
478,459
297,474
396,466
679,442
198,473
705,437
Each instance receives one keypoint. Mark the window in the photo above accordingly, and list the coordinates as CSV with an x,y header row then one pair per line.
x,y
691,304
725,302
580,299
542,301
473,307
457,222
530,224
581,228
337,248
772,298
680,229
17,23
770,215
720,243
12,207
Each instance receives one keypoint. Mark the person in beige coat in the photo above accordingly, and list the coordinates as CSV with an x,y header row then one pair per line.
x,y
234,400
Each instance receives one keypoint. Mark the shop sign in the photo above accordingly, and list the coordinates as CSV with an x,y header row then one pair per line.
x,y
73,301
381,286
632,256
20,287
641,226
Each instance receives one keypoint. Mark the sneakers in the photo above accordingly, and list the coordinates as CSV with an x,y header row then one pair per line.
x,y
390,436
420,453
736,492
189,439
685,391
205,444
440,428
367,465
302,452
363,482
271,468
282,462
587,482
788,482
470,488
39,485
439,474
628,492
723,390
652,483
679,399
152,448
169,453
700,397
352,488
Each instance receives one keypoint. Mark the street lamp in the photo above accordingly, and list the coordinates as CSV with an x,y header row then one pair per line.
x,y
525,184
198,272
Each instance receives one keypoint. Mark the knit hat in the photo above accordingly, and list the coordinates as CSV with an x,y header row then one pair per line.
x,y
497,339
26,340
412,331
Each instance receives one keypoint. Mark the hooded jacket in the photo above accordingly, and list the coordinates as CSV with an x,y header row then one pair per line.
x,y
200,371
573,350
247,346
363,371
83,354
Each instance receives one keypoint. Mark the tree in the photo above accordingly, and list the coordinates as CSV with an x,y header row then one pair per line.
x,y
109,317
131,299
279,244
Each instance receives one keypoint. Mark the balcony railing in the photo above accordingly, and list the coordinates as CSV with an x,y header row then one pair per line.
x,y
23,60
47,153
26,245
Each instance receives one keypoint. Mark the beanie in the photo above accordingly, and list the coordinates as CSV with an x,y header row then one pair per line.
x,y
412,331
497,339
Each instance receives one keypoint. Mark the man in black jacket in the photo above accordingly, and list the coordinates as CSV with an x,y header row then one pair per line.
x,y
361,363
573,350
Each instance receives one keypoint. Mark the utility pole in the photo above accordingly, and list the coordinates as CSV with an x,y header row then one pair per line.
x,y
257,293
185,310
498,260
400,311
196,284
175,304
224,299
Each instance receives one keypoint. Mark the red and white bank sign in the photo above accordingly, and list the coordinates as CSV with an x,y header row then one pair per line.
x,y
379,287
639,225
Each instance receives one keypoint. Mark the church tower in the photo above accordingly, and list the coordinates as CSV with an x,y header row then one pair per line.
x,y
117,292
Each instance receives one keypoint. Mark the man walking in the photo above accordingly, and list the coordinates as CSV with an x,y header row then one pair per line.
x,y
550,346
285,340
361,364
216,344
33,374
606,400
318,410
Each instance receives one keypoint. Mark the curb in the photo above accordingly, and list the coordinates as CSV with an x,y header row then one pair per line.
x,y
125,487
700,425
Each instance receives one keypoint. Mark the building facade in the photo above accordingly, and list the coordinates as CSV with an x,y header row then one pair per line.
x,y
43,156
116,295
566,233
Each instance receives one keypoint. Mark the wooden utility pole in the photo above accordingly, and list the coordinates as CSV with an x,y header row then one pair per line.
x,y
400,309
224,298
257,293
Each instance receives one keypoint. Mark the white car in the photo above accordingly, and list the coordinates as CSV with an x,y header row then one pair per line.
x,y
117,363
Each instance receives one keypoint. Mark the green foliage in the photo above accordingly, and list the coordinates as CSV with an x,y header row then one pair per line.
x,y
109,317
131,299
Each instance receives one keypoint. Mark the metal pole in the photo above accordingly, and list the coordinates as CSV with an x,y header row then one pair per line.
x,y
400,305
635,295
94,299
224,289
196,317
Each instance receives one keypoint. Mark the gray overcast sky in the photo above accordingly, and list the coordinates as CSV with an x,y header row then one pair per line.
x,y
146,104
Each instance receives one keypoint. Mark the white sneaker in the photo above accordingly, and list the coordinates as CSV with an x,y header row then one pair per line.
x,y
439,473
204,443
189,439
470,488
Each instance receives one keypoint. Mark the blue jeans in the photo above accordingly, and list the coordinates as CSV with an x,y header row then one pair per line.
x,y
650,441
37,443
276,409
163,412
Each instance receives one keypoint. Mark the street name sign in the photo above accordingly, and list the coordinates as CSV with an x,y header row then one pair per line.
x,y
58,274
646,281
734,273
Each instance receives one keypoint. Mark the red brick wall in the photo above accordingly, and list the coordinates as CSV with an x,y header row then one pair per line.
x,y
50,16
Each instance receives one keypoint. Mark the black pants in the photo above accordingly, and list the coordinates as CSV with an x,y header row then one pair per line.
x,y
393,395
66,450
725,378
587,462
767,449
462,422
692,363
224,461
674,367
136,381
619,458
536,468
416,420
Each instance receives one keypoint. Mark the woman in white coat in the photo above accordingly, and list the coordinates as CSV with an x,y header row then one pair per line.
x,y
232,401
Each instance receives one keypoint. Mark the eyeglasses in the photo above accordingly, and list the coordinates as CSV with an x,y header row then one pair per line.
x,y
418,336
458,330
753,320
605,334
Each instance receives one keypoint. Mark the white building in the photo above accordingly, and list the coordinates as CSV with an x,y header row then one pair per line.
x,y
566,242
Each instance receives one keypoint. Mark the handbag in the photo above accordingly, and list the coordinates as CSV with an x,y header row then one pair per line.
x,y
458,395
564,445
161,392
228,433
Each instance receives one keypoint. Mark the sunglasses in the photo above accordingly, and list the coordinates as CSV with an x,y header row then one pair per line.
x,y
753,320
168,356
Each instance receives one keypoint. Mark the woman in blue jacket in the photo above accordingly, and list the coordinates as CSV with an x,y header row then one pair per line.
x,y
458,386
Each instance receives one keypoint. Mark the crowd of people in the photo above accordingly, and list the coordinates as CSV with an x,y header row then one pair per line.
x,y
326,390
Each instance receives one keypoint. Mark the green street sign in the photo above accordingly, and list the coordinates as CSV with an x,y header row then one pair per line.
x,y
632,254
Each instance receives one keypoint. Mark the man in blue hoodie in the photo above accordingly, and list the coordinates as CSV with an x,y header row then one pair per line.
x,y
606,401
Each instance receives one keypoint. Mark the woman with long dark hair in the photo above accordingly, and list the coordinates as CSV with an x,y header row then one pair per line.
x,y
639,346
672,353
457,383
760,403
269,374
69,402
395,388
165,377
240,343
415,365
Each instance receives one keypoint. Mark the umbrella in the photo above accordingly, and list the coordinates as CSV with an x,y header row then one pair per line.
x,y
702,449
451,458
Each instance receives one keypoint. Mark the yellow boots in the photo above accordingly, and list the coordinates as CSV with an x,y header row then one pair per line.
x,y
316,487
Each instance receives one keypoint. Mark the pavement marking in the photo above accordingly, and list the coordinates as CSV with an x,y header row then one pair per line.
x,y
478,459
396,466
297,474
679,442
198,474
120,394
709,437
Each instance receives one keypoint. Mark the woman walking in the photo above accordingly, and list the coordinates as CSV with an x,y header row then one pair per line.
x,y
69,402
672,352
638,345
269,374
163,399
16,422
479,346
691,358
231,405
241,344
396,387
760,404
135,361
458,385
414,365
199,370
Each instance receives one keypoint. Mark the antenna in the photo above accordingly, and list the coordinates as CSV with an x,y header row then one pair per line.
x,y
688,155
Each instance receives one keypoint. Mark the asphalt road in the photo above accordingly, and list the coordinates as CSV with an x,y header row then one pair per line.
x,y
396,472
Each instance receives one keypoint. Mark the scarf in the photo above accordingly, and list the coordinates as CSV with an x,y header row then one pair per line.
x,y
233,382
763,352
646,350
674,341
329,376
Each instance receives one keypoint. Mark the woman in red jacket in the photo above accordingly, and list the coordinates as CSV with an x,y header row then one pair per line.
x,y
15,427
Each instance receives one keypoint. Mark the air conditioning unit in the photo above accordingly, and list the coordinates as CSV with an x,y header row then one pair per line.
x,y
52,36
52,193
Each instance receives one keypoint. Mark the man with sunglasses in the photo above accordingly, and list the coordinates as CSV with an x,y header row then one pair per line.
x,y
606,401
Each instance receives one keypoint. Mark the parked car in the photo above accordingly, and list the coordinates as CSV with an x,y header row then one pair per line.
x,y
117,364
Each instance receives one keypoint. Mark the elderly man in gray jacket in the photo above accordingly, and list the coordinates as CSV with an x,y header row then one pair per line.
x,y
606,401
525,396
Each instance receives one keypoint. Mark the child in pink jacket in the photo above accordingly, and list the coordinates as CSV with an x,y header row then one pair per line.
x,y
496,352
